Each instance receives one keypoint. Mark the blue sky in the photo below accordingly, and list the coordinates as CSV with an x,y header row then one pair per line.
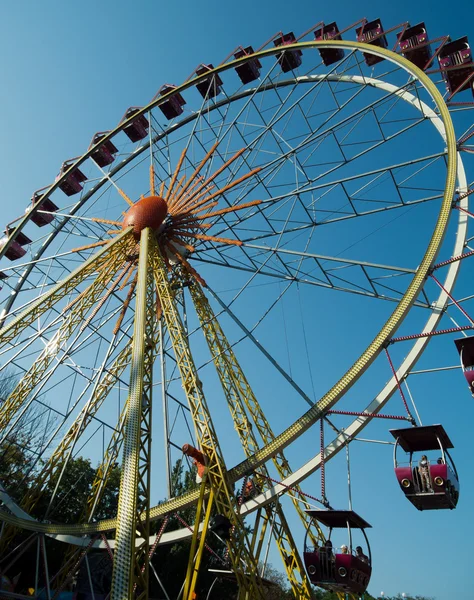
x,y
71,70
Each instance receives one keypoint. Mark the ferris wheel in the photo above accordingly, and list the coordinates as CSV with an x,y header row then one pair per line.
x,y
260,253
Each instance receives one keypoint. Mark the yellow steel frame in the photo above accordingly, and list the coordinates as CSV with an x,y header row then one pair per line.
x,y
103,470
228,367
72,319
130,570
122,244
79,425
195,554
107,263
200,551
239,549
115,443
239,395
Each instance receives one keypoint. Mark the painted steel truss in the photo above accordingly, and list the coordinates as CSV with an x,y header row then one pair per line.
x,y
239,396
242,561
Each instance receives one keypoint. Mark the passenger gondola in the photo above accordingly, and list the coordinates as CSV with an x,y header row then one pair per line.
x,y
465,348
346,571
429,483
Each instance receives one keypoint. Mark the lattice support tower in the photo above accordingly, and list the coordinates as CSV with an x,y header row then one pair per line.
x,y
73,318
208,320
243,563
107,261
230,372
121,245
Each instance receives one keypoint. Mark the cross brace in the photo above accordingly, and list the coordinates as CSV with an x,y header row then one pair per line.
x,y
243,563
238,395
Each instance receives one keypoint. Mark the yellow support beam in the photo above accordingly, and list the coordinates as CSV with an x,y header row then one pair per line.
x,y
202,543
72,319
121,244
243,563
102,473
239,396
194,560
130,569
209,321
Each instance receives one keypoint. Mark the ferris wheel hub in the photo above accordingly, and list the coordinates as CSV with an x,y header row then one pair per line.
x,y
147,212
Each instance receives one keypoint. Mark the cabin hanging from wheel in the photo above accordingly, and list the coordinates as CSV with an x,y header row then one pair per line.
x,y
173,106
429,481
414,45
74,181
372,33
105,154
211,86
16,249
45,205
138,128
455,62
249,70
344,569
329,32
465,348
289,59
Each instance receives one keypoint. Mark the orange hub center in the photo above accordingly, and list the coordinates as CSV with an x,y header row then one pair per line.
x,y
147,212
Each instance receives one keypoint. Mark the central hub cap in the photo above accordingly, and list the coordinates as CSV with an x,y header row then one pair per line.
x,y
147,212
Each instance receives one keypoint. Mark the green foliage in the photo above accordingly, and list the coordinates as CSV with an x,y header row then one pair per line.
x,y
73,490
17,451
14,467
19,467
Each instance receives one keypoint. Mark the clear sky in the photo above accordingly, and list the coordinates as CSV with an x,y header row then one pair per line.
x,y
69,70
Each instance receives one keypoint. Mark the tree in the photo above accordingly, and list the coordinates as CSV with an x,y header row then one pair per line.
x,y
279,590
19,450
73,490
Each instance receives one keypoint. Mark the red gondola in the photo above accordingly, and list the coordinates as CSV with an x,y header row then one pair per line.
x,y
428,485
289,59
329,32
347,571
138,128
211,86
73,183
372,33
173,107
250,70
105,153
250,490
414,45
45,204
16,250
465,348
456,54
